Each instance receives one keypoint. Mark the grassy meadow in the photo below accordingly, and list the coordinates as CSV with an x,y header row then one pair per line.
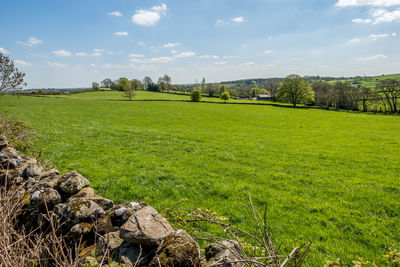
x,y
329,177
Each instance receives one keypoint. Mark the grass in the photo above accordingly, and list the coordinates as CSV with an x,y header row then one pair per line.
x,y
369,82
330,177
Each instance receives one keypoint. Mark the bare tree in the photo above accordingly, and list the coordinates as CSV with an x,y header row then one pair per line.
x,y
390,88
10,77
272,87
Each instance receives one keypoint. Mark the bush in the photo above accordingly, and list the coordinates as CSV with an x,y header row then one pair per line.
x,y
195,96
225,96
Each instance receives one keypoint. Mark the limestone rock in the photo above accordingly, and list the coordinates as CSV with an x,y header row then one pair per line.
x,y
117,216
32,170
223,254
83,210
178,249
72,182
130,254
145,227
49,197
80,230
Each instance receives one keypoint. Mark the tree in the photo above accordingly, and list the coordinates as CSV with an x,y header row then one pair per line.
x,y
203,85
272,87
225,96
106,83
167,81
295,90
114,85
365,96
136,85
323,94
390,88
162,84
195,96
153,87
124,84
10,77
95,86
146,81
129,93
222,89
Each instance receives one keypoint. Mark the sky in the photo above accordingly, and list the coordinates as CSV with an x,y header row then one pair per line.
x,y
65,44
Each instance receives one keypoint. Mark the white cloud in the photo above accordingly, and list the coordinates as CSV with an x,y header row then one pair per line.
x,y
171,45
362,21
238,19
371,58
220,63
267,52
94,54
115,13
141,43
121,34
62,53
56,65
162,59
4,51
386,3
31,42
149,17
117,66
92,65
394,34
185,54
136,55
353,41
98,50
209,56
383,15
22,63
173,52
220,22
378,36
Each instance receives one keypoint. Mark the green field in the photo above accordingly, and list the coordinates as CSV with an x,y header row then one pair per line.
x,y
369,82
329,177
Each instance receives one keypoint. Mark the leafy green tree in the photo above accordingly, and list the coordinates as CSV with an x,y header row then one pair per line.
x,y
390,89
95,86
136,85
124,84
222,89
10,77
153,87
272,86
295,90
129,93
225,96
106,83
195,95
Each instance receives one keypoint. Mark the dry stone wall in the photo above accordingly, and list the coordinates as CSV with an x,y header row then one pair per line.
x,y
134,233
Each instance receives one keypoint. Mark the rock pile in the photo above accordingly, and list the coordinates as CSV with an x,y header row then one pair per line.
x,y
134,233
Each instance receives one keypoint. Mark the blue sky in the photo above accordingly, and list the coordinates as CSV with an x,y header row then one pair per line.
x,y
72,43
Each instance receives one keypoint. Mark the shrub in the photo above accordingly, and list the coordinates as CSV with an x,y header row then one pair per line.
x,y
195,96
225,96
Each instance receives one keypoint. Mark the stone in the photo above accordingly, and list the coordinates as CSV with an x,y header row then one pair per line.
x,y
72,182
32,170
88,194
117,216
145,227
49,197
83,210
80,230
130,254
223,253
113,240
49,173
178,249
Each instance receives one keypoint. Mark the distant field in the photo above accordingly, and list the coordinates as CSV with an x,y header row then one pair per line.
x,y
329,177
370,82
